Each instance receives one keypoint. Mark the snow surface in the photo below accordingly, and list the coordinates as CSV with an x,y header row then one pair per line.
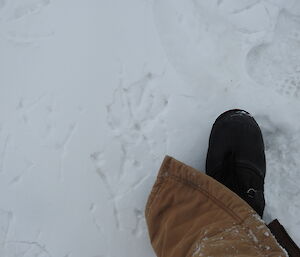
x,y
93,94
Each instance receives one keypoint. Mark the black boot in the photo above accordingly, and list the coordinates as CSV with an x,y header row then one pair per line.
x,y
236,156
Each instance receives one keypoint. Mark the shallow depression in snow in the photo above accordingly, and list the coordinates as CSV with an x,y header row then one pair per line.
x,y
94,94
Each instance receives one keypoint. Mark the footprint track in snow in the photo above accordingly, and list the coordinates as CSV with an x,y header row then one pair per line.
x,y
26,8
277,64
203,40
216,33
2,4
11,21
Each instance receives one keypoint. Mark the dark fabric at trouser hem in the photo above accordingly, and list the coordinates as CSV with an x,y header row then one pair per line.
x,y
284,239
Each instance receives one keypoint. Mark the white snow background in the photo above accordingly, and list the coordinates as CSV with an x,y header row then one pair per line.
x,y
94,93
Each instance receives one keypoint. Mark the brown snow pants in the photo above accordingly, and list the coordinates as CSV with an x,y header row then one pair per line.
x,y
190,214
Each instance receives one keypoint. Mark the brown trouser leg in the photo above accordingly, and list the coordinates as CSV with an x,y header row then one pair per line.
x,y
190,214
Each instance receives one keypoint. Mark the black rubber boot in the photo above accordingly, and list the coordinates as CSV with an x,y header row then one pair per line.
x,y
236,156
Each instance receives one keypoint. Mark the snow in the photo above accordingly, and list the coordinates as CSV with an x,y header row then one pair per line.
x,y
93,94
252,236
197,250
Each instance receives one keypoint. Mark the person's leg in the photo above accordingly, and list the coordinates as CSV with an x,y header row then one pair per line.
x,y
236,156
190,214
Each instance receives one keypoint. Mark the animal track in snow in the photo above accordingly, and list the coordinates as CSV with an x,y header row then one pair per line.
x,y
3,154
139,228
134,107
24,248
18,178
135,119
63,147
134,114
98,160
5,220
277,64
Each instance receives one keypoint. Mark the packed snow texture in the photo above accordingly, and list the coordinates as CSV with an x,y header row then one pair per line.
x,y
93,94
